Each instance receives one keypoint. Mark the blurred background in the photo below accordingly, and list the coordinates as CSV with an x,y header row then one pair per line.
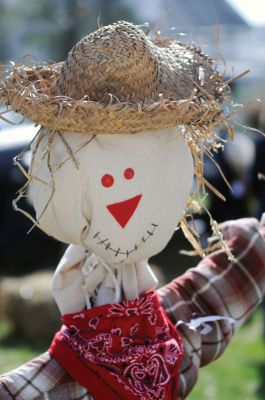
x,y
230,30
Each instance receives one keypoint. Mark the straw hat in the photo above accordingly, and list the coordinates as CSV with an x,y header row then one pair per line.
x,y
117,80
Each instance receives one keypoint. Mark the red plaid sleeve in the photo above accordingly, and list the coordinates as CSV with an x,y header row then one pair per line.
x,y
217,287
41,379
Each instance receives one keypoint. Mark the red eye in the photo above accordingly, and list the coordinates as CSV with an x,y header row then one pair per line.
x,y
129,173
107,180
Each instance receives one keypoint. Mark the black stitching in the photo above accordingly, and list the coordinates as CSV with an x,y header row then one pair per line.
x,y
126,252
102,241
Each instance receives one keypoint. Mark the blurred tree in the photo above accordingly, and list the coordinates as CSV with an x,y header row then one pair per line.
x,y
114,10
3,38
70,36
50,28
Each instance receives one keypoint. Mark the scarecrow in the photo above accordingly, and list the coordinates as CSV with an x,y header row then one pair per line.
x,y
125,124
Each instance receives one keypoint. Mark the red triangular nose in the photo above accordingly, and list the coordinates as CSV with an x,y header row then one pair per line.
x,y
124,210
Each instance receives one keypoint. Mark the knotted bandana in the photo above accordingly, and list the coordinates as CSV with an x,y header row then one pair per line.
x,y
129,350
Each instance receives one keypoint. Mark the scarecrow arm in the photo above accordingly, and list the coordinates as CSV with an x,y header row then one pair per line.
x,y
41,379
217,287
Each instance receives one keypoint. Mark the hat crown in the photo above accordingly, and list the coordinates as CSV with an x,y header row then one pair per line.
x,y
117,59
111,82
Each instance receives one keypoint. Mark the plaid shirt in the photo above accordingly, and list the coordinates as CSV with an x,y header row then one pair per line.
x,y
215,287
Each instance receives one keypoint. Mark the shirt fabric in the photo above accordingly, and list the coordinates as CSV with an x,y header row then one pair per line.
x,y
216,286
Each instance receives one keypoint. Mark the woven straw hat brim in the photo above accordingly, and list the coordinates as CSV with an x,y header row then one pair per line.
x,y
28,92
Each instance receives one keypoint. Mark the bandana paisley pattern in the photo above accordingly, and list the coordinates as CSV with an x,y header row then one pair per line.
x,y
131,347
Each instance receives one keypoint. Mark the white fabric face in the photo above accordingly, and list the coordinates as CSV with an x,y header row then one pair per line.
x,y
126,197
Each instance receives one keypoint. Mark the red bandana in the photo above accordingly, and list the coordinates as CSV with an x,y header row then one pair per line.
x,y
128,350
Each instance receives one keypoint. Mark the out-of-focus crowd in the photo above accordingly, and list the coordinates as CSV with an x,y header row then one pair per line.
x,y
243,165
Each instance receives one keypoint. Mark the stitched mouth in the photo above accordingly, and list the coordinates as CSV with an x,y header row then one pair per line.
x,y
107,244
